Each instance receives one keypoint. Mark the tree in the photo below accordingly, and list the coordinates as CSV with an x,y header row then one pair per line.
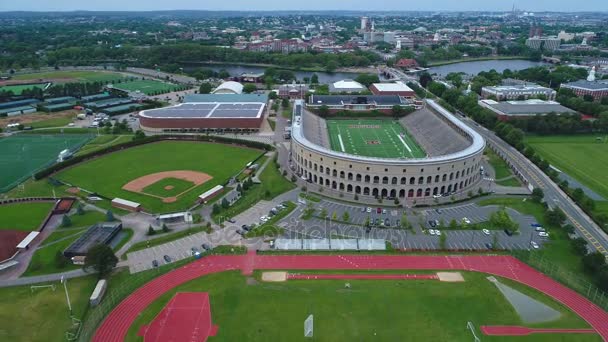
x,y
579,245
60,260
139,134
345,217
205,88
225,203
79,210
215,209
453,224
425,79
239,188
101,259
249,88
594,262
334,216
314,79
165,228
555,217
66,221
367,79
537,195
285,103
502,219
442,241
151,230
323,213
323,111
110,216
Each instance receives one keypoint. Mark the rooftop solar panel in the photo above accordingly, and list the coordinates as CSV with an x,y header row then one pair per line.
x,y
208,110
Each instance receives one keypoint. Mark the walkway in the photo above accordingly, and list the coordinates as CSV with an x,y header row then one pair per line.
x,y
117,324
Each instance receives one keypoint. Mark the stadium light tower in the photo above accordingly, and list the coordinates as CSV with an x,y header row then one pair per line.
x,y
64,281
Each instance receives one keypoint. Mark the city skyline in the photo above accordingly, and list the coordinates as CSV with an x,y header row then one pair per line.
x,y
270,5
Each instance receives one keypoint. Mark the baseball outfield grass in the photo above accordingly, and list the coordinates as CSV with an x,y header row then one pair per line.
x,y
373,138
107,175
24,216
425,310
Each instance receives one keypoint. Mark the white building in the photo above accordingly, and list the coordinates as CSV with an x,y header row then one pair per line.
x,y
346,86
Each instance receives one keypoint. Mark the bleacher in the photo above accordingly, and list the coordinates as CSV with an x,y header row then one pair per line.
x,y
434,134
314,129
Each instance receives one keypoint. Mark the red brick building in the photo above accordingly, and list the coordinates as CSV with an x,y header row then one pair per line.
x,y
407,63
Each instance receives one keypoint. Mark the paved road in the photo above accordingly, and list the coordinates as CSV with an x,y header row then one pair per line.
x,y
554,196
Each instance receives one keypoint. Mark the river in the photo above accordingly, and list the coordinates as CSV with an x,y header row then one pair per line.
x,y
475,67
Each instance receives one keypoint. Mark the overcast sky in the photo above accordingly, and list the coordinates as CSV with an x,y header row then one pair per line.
x,y
432,5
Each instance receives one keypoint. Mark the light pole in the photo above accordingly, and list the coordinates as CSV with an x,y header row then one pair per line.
x,y
64,281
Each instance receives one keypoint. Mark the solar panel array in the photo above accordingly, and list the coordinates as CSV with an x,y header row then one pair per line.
x,y
208,110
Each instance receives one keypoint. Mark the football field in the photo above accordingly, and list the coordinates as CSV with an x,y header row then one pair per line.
x,y
373,138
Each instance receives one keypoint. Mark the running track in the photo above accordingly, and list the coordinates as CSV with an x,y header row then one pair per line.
x,y
114,328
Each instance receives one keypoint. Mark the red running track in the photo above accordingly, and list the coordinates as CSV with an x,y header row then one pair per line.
x,y
513,330
115,327
362,276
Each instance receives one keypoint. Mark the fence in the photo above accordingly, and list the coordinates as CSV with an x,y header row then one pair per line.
x,y
570,279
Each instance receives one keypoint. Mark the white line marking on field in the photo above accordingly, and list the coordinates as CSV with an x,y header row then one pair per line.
x,y
341,143
404,143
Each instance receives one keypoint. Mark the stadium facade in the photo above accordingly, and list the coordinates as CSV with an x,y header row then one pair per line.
x,y
452,164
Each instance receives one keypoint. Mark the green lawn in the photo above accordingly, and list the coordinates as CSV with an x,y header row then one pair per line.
x,y
273,184
63,234
87,219
103,141
19,88
108,174
177,187
370,310
580,156
52,122
43,259
148,87
42,315
73,76
501,169
373,138
24,216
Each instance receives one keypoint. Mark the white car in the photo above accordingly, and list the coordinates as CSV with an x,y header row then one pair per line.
x,y
437,232
485,231
543,234
264,218
432,231
436,196
369,209
540,229
466,220
534,245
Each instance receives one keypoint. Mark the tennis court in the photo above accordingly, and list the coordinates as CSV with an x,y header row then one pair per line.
x,y
24,154
148,87
373,138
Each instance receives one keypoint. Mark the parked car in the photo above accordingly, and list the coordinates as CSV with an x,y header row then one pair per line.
x,y
231,220
369,209
466,220
240,232
534,245
167,258
485,231
543,234
384,211
432,223
397,223
432,231
245,228
154,263
539,229
379,211
206,247
489,246
194,250
437,232
362,209
377,222
508,232
387,222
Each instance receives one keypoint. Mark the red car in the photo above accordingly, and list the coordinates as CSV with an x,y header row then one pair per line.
x,y
379,211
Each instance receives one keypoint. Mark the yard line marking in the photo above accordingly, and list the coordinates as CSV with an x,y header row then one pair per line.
x,y
404,143
341,143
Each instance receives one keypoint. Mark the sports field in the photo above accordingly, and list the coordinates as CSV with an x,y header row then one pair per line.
x,y
19,88
23,154
148,87
247,309
373,138
108,174
25,216
72,76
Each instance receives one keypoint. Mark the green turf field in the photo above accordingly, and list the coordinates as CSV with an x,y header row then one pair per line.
x,y
24,216
19,88
178,186
108,174
373,138
371,310
580,156
73,76
147,87
21,155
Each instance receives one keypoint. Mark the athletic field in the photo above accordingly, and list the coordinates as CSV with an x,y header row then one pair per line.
x,y
23,154
148,87
373,138
72,76
17,89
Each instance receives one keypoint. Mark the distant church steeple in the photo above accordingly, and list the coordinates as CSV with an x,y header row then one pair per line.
x,y
591,77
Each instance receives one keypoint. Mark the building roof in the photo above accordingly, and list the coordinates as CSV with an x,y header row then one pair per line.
x,y
385,100
100,233
528,107
208,110
587,85
225,98
126,202
347,84
211,191
520,87
392,87
28,239
231,86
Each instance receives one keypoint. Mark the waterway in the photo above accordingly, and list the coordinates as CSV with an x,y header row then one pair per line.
x,y
475,67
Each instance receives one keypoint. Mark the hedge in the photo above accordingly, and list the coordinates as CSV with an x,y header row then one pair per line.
x,y
203,138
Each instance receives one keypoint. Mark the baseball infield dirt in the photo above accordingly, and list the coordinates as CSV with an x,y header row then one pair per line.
x,y
138,185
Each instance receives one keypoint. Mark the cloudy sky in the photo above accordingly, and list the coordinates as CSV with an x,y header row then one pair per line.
x,y
446,5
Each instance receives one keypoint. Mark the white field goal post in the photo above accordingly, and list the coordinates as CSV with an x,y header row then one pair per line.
x,y
35,287
309,326
471,327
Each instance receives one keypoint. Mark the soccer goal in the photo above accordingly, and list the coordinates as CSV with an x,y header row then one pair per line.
x,y
36,287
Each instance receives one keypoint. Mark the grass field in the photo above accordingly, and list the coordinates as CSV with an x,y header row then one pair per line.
x,y
369,310
103,141
23,154
17,89
177,187
503,174
72,76
373,138
580,156
148,87
106,175
42,315
24,216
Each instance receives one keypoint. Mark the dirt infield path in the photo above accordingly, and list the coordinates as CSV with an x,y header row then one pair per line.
x,y
117,323
138,185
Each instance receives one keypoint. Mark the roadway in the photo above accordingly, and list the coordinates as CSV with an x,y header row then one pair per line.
x,y
554,196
